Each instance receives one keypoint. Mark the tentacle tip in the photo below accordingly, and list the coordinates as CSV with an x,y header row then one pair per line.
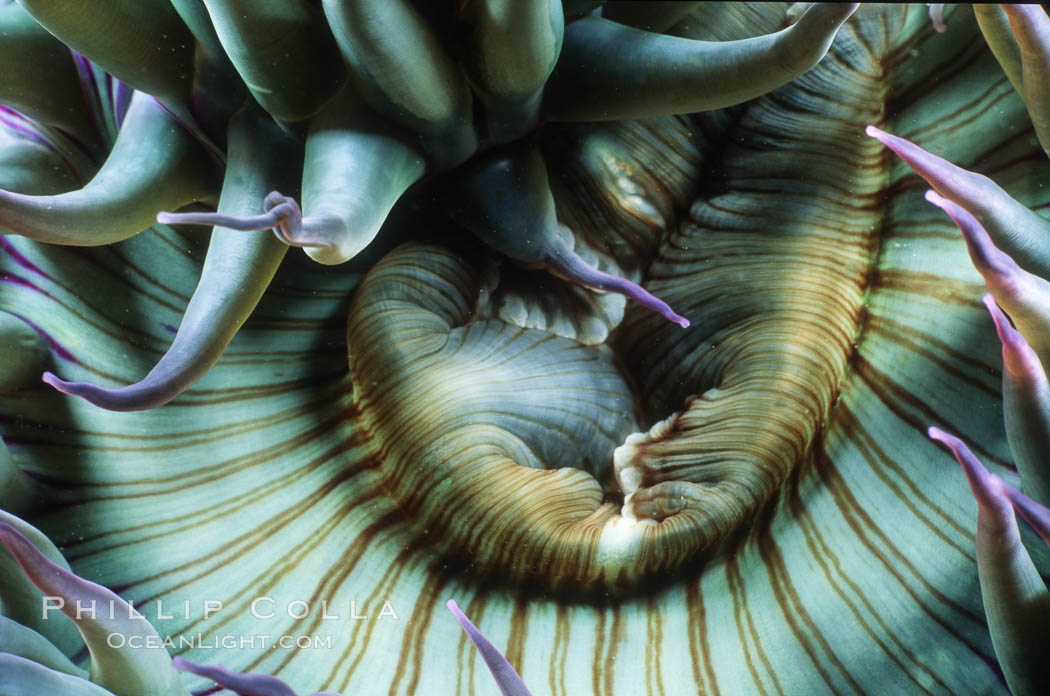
x,y
166,218
936,199
937,434
55,381
680,320
874,132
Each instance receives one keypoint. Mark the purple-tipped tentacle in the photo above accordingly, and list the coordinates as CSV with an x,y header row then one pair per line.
x,y
1036,515
1020,232
507,678
1016,602
237,270
567,263
937,17
991,262
241,683
987,488
1025,296
139,670
1031,28
158,388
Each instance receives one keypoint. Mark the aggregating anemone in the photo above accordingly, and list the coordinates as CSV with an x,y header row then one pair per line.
x,y
751,505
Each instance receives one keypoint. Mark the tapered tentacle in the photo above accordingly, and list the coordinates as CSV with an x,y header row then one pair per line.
x,y
1031,28
937,17
141,42
38,160
1021,233
217,91
284,52
995,27
354,173
196,18
505,199
1024,296
237,682
16,639
99,613
236,273
38,76
1016,602
406,74
241,683
1026,406
1035,514
154,165
657,16
507,678
610,71
512,49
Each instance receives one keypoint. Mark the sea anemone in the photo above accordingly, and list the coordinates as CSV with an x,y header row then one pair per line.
x,y
749,505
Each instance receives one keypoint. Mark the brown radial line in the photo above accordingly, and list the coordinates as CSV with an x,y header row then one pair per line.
x,y
220,433
596,662
90,258
190,243
336,576
412,643
119,335
817,546
393,523
956,64
244,500
264,531
733,579
858,519
1026,159
287,561
519,626
141,279
209,397
871,451
616,637
560,651
786,595
654,638
940,126
891,394
920,230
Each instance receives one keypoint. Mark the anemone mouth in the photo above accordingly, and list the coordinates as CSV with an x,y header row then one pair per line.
x,y
606,454
519,449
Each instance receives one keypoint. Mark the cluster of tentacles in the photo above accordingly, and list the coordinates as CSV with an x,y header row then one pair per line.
x,y
135,665
323,102
352,103
1010,247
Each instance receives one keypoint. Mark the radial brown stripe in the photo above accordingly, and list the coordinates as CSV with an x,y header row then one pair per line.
x,y
871,451
412,644
892,395
791,606
200,517
818,547
519,627
946,358
862,523
736,593
699,650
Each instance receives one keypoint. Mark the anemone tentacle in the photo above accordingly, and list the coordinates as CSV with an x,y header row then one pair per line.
x,y
154,165
778,527
236,273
